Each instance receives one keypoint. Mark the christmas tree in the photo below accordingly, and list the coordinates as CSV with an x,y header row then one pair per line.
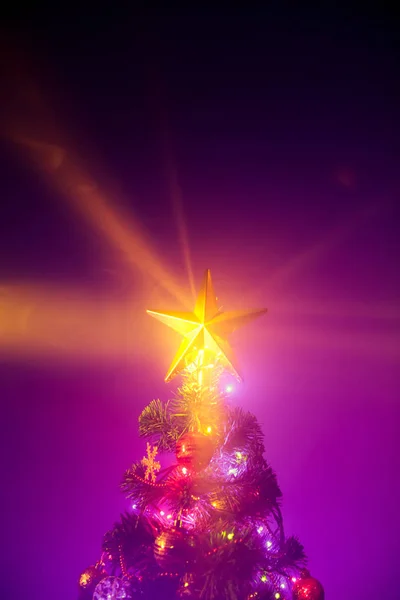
x,y
209,526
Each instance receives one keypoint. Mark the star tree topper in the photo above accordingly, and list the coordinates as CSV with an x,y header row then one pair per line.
x,y
207,328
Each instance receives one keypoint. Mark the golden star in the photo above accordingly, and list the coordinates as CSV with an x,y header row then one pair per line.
x,y
207,328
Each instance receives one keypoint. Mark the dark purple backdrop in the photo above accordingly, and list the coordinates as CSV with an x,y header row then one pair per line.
x,y
284,132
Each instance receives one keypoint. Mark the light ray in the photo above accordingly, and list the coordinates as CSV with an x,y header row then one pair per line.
x,y
94,204
43,322
321,247
176,197
354,343
27,111
339,308
158,95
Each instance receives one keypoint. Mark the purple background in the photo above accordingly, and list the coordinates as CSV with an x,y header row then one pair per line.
x,y
284,132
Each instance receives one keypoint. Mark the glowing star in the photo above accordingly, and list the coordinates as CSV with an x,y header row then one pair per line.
x,y
206,329
152,465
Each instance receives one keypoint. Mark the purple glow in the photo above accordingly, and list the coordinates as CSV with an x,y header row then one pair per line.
x,y
283,135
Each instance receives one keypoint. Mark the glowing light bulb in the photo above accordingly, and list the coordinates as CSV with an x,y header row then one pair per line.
x,y
169,516
184,470
186,584
263,578
209,429
84,579
162,513
230,536
260,529
269,544
294,579
277,595
133,506
282,586
229,388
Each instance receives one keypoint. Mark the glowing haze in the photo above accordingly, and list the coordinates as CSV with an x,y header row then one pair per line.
x,y
258,148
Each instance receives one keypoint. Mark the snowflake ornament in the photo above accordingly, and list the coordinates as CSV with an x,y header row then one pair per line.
x,y
152,465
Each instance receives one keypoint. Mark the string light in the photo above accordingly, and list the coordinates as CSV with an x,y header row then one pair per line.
x,y
122,562
230,536
269,544
277,595
156,485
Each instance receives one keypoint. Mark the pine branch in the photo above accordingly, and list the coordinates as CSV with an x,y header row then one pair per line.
x,y
244,433
131,538
227,566
294,555
197,406
158,425
252,492
141,492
